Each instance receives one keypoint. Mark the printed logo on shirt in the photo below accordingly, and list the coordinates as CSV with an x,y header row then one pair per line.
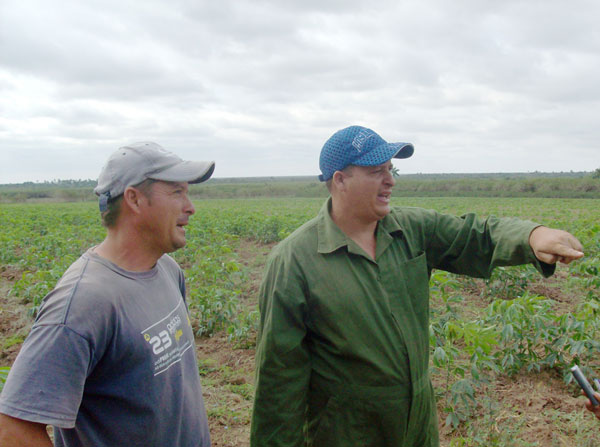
x,y
165,338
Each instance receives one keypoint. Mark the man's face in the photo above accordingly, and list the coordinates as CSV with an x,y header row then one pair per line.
x,y
166,211
369,190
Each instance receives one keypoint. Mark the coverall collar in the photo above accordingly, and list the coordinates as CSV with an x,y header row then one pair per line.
x,y
332,238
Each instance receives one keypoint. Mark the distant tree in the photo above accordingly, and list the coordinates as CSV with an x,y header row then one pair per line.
x,y
596,173
395,172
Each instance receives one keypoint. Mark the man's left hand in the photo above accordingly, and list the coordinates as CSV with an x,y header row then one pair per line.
x,y
551,246
592,408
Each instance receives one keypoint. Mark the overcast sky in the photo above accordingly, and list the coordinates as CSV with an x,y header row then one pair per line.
x,y
258,86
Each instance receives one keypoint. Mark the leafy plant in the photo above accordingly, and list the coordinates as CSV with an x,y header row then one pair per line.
x,y
451,340
4,370
509,282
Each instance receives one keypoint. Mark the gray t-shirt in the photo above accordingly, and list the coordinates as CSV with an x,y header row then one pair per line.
x,y
110,360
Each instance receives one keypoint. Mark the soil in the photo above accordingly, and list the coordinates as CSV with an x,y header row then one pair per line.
x,y
229,413
14,317
539,405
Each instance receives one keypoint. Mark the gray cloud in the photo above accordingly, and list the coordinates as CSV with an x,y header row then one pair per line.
x,y
478,86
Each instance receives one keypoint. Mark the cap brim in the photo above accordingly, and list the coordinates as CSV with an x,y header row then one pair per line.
x,y
405,150
187,171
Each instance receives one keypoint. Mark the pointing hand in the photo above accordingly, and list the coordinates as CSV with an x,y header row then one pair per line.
x,y
551,246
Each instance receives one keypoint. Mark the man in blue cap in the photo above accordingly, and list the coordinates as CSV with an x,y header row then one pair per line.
x,y
343,348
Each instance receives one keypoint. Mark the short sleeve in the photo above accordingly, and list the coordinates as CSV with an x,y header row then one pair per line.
x,y
45,384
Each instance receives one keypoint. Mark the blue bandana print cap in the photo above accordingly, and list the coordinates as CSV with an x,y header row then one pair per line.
x,y
357,145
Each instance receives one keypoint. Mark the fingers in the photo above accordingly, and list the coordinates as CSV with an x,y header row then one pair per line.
x,y
574,243
546,257
567,260
592,408
566,247
568,255
569,249
551,246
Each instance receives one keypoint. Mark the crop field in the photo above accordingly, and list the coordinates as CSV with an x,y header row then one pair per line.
x,y
501,348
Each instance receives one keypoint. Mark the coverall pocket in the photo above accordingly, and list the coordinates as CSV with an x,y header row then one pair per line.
x,y
412,295
343,424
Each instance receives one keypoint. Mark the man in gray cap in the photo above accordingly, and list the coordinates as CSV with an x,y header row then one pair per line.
x,y
110,360
343,348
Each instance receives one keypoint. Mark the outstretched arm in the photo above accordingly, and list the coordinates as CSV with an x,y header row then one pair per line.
x,y
20,433
551,246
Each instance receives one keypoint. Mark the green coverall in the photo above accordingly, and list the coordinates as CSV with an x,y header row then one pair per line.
x,y
343,348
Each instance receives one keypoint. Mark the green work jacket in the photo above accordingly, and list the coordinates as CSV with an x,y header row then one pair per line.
x,y
343,347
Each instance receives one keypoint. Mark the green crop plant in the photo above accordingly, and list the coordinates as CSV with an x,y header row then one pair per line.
x,y
527,325
509,282
453,339
463,376
587,273
242,329
4,370
534,337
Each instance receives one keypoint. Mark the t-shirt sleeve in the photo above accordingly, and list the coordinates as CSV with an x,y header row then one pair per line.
x,y
46,382
171,266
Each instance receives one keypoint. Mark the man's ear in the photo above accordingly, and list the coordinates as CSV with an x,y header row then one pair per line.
x,y
338,180
132,198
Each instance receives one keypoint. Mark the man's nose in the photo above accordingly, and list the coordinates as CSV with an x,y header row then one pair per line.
x,y
390,180
189,206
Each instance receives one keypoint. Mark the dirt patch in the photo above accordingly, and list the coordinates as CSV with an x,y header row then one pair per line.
x,y
10,273
536,408
221,351
15,321
227,381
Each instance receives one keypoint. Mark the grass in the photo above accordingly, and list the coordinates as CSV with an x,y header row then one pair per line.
x,y
12,341
574,429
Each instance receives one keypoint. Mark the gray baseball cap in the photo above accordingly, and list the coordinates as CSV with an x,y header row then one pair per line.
x,y
131,165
